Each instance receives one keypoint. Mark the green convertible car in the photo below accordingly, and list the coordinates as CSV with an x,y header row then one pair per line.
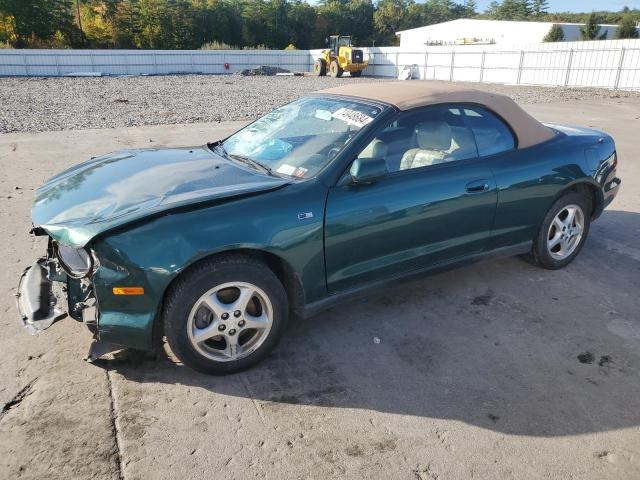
x,y
343,191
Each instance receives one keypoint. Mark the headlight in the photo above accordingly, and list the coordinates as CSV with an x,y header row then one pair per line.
x,y
77,262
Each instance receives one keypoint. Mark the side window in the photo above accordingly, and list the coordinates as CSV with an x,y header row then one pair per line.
x,y
491,133
427,137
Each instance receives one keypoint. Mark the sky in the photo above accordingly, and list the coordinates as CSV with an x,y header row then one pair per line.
x,y
578,5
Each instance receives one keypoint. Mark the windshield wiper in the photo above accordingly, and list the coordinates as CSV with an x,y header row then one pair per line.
x,y
243,159
251,162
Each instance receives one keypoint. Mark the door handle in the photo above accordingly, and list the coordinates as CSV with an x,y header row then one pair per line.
x,y
477,186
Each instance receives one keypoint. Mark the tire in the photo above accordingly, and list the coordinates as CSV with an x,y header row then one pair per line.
x,y
320,67
334,69
204,304
356,74
549,250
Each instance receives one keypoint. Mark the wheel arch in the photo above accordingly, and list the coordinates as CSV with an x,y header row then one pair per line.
x,y
279,266
589,189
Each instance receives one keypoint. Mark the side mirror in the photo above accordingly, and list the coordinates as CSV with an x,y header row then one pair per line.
x,y
367,170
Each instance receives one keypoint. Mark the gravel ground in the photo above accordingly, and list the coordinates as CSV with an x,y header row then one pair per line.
x,y
49,104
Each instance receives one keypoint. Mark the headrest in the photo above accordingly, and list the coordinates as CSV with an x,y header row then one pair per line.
x,y
433,135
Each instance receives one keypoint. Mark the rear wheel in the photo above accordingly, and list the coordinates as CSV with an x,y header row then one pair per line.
x,y
563,232
320,67
225,315
334,69
357,73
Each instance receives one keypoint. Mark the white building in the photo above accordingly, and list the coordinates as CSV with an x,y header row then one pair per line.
x,y
471,31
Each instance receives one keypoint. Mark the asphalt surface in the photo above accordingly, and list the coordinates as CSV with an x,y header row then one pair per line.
x,y
499,370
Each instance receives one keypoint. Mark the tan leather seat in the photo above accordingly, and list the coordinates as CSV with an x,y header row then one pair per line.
x,y
434,141
376,149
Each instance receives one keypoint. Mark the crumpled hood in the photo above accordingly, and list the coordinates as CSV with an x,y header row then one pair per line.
x,y
115,189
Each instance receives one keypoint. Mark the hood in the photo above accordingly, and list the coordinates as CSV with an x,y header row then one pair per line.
x,y
115,189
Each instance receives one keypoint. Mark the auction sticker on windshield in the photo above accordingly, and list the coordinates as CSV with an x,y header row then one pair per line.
x,y
352,117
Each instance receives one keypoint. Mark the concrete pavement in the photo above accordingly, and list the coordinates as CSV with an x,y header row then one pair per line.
x,y
499,370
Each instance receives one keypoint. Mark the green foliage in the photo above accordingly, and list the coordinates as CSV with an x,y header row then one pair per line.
x,y
509,10
192,24
591,29
539,8
627,28
555,34
217,45
36,21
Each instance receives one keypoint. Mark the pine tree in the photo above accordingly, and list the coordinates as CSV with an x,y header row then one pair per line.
x,y
555,34
539,8
590,29
470,8
627,28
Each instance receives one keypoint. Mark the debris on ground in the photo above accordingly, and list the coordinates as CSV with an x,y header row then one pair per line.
x,y
263,70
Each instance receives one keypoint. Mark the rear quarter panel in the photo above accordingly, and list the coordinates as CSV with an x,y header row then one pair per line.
x,y
530,180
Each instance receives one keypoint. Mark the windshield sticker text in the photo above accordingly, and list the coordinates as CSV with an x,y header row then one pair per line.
x,y
352,117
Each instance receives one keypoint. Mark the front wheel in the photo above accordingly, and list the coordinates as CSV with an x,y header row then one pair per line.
x,y
334,69
320,67
563,232
225,314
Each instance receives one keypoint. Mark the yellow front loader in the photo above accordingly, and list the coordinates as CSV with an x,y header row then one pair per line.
x,y
340,57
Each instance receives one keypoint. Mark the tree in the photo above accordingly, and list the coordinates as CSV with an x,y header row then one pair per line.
x,y
627,28
389,18
555,34
39,20
510,10
590,29
539,8
470,8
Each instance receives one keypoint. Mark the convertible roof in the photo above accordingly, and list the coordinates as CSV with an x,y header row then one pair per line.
x,y
411,94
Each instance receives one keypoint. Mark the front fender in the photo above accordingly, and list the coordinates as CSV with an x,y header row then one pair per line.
x,y
152,254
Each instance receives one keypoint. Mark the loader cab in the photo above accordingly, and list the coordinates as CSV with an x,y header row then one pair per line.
x,y
334,42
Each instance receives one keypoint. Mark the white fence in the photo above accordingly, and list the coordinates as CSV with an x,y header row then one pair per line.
x,y
607,64
145,62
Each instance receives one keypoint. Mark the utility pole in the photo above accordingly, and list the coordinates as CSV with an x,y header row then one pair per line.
x,y
80,22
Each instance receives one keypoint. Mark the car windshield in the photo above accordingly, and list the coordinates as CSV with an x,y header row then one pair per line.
x,y
299,139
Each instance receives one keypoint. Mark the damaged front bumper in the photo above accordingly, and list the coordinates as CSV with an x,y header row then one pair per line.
x,y
38,304
46,294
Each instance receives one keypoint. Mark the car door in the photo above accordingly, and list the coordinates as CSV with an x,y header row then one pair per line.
x,y
435,204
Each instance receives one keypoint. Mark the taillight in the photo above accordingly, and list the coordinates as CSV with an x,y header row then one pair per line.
x,y
614,164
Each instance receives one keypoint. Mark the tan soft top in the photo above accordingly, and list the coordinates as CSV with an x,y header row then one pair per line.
x,y
411,94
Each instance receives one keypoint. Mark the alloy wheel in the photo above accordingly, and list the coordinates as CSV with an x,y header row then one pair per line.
x,y
565,232
230,321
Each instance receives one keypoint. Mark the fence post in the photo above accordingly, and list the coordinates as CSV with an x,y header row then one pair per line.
x,y
566,78
482,66
24,61
617,82
193,65
93,63
453,59
397,63
520,67
426,58
57,65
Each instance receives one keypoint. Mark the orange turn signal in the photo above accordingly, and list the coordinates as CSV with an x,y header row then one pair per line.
x,y
128,291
